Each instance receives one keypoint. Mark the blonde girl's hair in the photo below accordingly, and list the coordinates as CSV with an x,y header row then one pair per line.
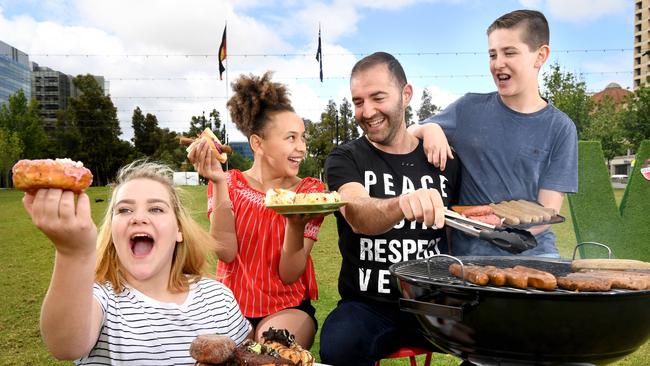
x,y
190,256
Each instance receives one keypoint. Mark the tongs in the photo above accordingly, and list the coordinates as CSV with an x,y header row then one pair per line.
x,y
507,238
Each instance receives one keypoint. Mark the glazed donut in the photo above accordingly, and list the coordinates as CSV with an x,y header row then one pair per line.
x,y
66,174
212,348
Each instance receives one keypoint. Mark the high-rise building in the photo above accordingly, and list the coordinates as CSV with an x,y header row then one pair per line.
x,y
51,89
641,42
14,72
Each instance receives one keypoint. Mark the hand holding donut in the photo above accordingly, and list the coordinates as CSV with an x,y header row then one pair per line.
x,y
65,174
68,225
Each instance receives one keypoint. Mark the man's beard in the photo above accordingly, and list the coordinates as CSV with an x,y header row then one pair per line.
x,y
394,118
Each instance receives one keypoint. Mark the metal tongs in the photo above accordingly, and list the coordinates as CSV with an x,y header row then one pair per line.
x,y
507,238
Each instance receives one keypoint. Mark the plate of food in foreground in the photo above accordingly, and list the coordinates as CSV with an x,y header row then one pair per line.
x,y
519,214
287,202
277,347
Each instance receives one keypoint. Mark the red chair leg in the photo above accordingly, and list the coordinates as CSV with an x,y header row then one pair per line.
x,y
427,360
412,359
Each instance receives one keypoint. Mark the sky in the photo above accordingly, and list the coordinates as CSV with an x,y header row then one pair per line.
x,y
161,55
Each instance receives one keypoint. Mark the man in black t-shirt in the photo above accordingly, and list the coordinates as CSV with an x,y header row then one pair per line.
x,y
395,203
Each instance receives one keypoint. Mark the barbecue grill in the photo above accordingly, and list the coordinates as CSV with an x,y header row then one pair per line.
x,y
491,325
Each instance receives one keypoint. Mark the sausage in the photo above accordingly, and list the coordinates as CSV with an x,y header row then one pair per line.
x,y
491,219
212,348
538,279
516,278
473,274
477,211
623,280
611,264
546,212
497,275
524,217
584,283
509,218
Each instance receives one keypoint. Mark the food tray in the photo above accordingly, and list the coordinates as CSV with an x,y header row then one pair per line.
x,y
555,219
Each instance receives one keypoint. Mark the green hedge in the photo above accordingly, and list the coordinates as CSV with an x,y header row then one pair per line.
x,y
595,214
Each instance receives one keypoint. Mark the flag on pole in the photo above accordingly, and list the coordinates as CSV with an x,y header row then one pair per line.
x,y
319,55
222,53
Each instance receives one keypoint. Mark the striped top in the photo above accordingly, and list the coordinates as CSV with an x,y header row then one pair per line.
x,y
253,275
138,330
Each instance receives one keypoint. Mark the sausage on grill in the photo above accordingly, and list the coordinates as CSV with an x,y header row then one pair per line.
x,y
538,279
473,274
584,283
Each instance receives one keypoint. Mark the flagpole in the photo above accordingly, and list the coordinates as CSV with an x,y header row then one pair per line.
x,y
226,114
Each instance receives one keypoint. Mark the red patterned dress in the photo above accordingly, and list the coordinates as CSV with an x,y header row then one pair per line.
x,y
253,275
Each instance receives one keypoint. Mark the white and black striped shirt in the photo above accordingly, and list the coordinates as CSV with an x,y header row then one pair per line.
x,y
138,330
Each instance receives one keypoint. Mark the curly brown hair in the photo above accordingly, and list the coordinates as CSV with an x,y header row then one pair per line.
x,y
255,99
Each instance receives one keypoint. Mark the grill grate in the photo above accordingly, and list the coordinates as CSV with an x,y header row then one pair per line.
x,y
435,271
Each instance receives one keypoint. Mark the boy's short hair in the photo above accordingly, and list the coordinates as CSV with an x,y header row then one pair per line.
x,y
534,24
382,58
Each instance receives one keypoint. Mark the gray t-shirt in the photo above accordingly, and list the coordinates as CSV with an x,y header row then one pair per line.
x,y
508,155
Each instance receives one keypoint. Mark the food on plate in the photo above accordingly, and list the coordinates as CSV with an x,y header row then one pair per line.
x,y
207,135
277,347
516,212
316,197
279,196
284,343
508,217
609,264
490,219
212,348
477,211
66,174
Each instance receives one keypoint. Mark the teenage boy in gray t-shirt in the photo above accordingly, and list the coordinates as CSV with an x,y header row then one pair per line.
x,y
513,144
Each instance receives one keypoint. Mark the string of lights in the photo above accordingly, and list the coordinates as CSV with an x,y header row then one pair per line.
x,y
309,54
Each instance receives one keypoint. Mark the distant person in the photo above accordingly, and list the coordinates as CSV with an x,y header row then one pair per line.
x,y
513,143
265,258
395,212
134,294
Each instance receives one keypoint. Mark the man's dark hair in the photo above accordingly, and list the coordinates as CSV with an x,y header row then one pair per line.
x,y
534,25
382,58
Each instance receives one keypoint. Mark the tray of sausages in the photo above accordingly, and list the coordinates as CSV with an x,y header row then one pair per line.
x,y
519,214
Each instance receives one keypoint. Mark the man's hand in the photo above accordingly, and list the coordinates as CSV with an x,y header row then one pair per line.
x,y
424,205
436,146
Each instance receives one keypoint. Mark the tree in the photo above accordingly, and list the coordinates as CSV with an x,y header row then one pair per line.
x,y
605,126
408,115
95,116
348,130
146,133
427,108
568,94
11,148
322,136
635,123
21,116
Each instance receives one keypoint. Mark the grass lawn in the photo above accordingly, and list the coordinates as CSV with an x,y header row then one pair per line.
x,y
26,265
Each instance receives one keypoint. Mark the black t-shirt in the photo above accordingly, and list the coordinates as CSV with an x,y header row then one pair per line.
x,y
364,270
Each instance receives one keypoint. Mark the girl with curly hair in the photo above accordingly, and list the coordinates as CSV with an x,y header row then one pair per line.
x,y
265,256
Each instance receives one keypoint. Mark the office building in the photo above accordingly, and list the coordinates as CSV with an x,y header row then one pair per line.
x,y
52,89
242,148
14,72
641,42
